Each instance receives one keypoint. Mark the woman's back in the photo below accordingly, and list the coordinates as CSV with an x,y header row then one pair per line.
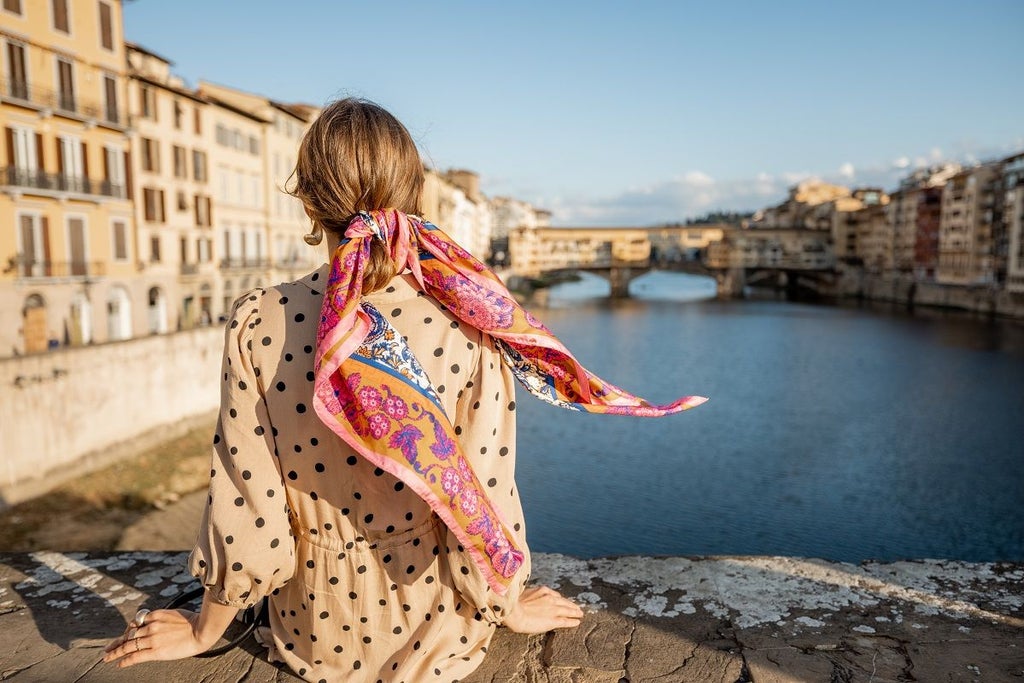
x,y
374,570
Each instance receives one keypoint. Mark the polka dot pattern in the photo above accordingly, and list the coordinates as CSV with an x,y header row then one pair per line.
x,y
346,552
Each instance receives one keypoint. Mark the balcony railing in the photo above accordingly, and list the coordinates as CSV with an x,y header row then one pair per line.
x,y
30,268
236,263
188,268
22,92
55,182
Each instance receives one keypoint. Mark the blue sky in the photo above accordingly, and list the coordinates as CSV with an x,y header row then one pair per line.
x,y
634,113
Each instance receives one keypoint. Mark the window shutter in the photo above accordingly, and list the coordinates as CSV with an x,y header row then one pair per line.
x,y
85,161
60,156
106,163
128,173
39,152
9,137
45,228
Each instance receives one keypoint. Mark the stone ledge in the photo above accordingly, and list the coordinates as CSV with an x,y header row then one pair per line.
x,y
719,619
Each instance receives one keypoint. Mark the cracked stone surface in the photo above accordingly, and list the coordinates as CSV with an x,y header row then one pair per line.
x,y
674,620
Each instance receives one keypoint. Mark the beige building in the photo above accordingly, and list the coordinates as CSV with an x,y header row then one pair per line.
x,y
452,200
1013,219
67,261
967,226
536,250
288,256
173,206
845,222
239,191
809,206
678,243
772,248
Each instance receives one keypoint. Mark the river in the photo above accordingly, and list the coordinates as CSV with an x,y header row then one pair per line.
x,y
834,432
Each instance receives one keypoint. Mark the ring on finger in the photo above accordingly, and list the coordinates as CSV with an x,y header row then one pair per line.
x,y
137,645
140,617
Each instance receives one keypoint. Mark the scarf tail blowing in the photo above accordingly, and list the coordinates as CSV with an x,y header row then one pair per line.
x,y
371,391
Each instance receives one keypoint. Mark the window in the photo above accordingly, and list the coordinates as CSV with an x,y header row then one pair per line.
x,y
202,206
153,205
106,26
180,162
76,246
120,229
197,121
65,85
254,145
150,155
23,150
154,249
71,163
182,201
13,6
199,166
110,99
179,112
35,246
17,79
60,16
183,247
113,171
222,135
147,102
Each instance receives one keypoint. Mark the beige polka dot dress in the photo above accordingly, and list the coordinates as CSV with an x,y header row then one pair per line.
x,y
364,582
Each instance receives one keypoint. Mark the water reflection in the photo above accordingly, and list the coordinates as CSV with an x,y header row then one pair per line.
x,y
836,432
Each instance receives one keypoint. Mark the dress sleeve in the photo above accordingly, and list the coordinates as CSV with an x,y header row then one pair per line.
x,y
485,422
244,549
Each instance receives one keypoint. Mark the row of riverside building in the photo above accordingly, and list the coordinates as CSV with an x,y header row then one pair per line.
x,y
947,225
134,204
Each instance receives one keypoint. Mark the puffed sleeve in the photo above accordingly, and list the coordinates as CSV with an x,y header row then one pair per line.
x,y
486,424
244,549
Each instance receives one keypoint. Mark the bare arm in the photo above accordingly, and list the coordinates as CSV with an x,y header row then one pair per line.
x,y
171,634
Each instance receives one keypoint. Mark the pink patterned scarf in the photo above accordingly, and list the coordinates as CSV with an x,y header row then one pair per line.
x,y
372,392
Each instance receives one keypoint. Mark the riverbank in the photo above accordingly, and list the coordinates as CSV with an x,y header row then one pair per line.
x,y
92,511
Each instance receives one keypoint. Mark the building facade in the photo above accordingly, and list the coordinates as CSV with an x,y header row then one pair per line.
x,y
1013,218
174,209
69,256
968,224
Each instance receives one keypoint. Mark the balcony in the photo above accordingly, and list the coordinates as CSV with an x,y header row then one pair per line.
x,y
65,103
243,263
59,184
188,268
30,268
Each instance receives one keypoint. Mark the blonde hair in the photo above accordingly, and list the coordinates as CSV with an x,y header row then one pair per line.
x,y
357,157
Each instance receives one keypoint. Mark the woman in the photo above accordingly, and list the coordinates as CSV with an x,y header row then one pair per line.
x,y
363,465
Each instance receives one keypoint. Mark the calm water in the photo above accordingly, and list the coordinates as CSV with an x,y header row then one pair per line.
x,y
831,432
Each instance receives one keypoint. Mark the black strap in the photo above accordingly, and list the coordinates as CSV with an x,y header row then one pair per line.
x,y
254,616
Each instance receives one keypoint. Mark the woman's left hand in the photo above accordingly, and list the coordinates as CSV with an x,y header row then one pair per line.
x,y
164,635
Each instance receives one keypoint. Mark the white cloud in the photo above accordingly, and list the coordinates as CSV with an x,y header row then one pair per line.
x,y
695,192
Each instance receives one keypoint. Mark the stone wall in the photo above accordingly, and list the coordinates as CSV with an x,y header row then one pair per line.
x,y
65,410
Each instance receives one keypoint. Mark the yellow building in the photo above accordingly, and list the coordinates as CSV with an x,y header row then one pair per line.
x,y
1013,216
173,207
69,257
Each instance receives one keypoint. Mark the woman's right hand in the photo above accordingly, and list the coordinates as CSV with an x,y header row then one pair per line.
x,y
542,609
